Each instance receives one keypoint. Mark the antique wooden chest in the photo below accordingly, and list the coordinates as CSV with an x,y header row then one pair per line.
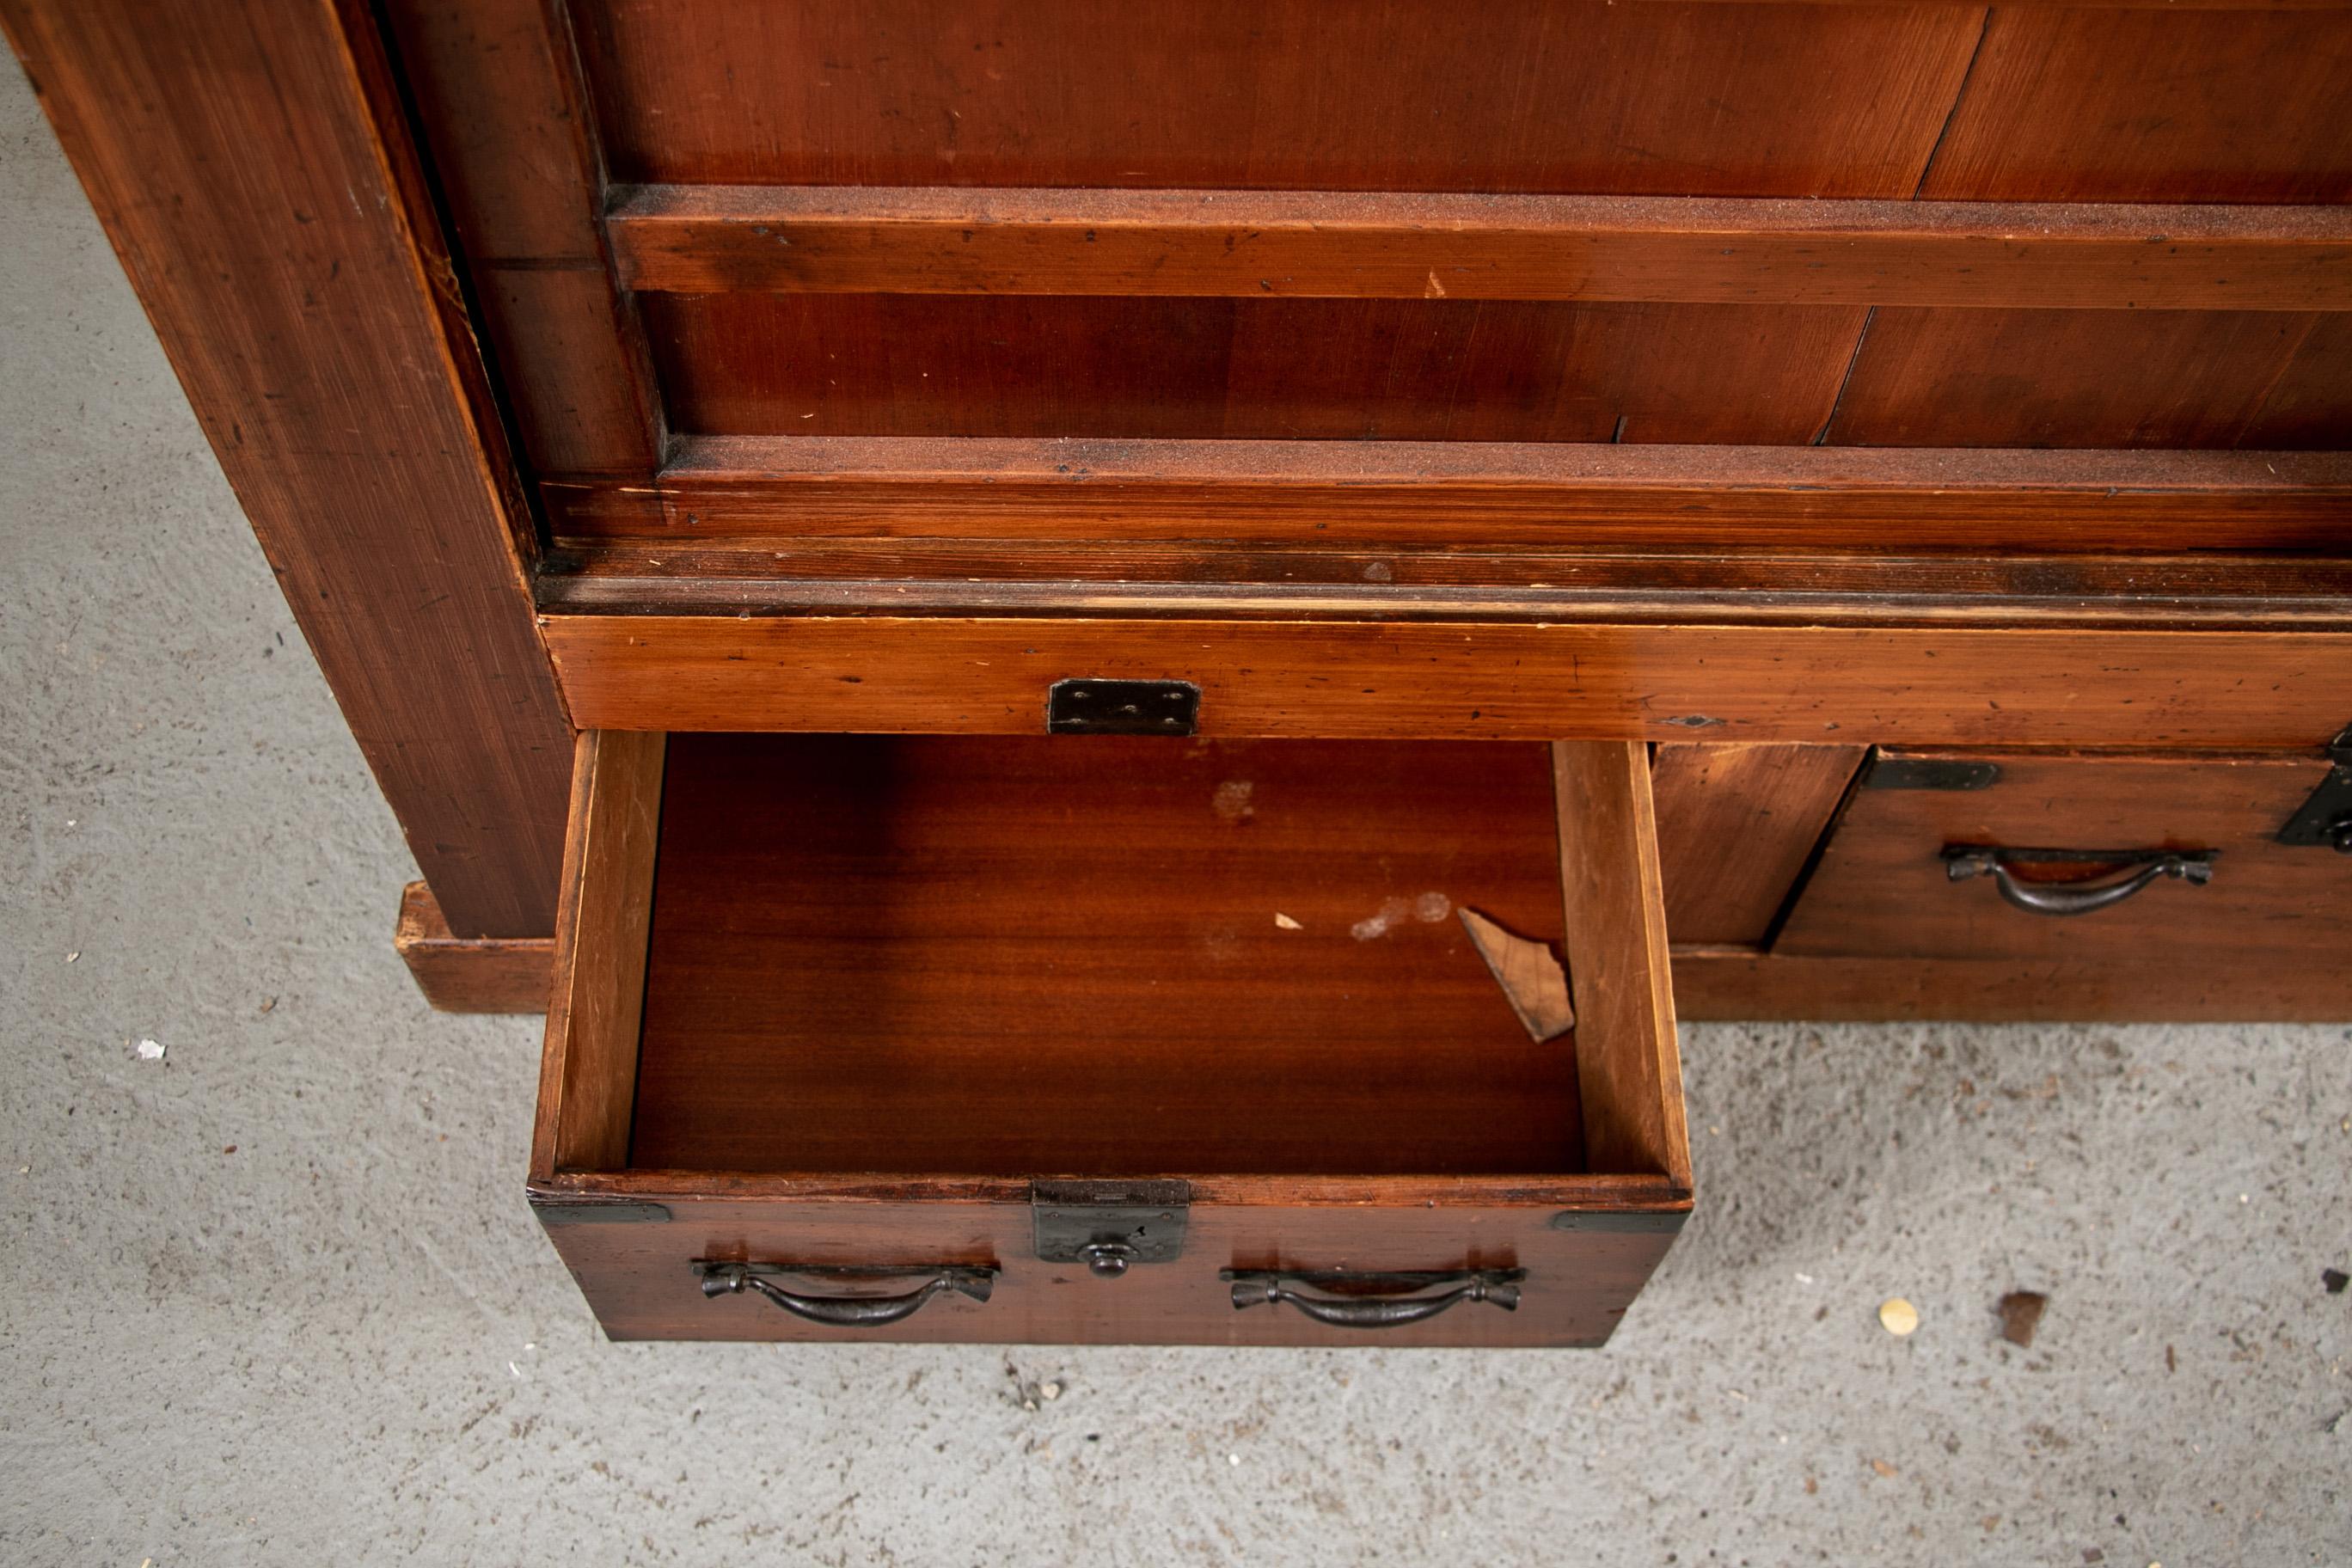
x,y
1134,607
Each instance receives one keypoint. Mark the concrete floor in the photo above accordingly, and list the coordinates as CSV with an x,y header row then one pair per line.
x,y
276,1298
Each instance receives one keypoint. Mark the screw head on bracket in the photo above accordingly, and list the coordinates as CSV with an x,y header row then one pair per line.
x,y
1108,1259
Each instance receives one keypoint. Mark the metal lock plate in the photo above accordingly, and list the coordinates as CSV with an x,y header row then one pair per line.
x,y
1122,708
1109,1225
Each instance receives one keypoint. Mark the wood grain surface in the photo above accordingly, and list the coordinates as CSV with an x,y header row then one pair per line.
x,y
1289,369
1628,1063
2057,988
1881,891
505,113
249,162
469,974
1043,955
481,974
956,241
1580,1282
1420,581
1736,826
2093,378
1583,97
595,1009
1475,495
2212,691
2130,105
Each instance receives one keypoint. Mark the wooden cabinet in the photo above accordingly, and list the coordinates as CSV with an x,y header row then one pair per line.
x,y
1460,404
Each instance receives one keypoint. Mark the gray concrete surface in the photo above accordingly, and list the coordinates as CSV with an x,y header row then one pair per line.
x,y
276,1300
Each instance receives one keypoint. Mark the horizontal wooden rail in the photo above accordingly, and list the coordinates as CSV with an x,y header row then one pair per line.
x,y
1249,243
2254,691
1386,495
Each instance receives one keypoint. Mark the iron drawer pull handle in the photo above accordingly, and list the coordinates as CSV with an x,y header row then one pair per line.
x,y
1398,1302
845,1311
1964,862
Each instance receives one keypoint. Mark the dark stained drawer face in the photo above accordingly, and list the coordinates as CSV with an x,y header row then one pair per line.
x,y
829,1008
1910,870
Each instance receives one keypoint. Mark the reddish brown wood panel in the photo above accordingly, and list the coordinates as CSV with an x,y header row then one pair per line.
x,y
839,365
2103,988
2213,691
1627,1061
596,995
954,240
579,374
2305,407
469,974
1098,956
1881,891
1464,495
249,162
2085,378
514,145
1524,95
1580,1282
1736,826
2103,104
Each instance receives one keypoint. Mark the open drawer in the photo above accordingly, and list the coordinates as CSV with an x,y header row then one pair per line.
x,y
1061,1039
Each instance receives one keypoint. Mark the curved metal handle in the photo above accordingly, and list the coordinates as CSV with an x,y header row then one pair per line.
x,y
1963,862
1374,1300
845,1311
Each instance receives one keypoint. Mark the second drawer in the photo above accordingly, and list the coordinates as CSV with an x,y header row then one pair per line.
x,y
2149,859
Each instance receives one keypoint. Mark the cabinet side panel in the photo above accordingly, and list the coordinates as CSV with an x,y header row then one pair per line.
x,y
248,160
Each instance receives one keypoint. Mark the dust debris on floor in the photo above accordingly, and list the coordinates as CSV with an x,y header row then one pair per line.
x,y
2021,1314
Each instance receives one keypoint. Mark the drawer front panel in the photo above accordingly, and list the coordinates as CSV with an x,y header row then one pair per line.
x,y
1884,887
637,1272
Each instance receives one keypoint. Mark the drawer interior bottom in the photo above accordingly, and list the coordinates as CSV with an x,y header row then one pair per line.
x,y
1098,956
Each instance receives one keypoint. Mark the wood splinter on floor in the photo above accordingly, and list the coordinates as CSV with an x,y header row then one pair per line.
x,y
1530,974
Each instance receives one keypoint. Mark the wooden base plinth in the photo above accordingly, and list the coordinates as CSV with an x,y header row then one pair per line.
x,y
1744,986
470,975
510,975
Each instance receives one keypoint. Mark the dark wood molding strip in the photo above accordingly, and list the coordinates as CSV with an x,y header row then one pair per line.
x,y
285,247
920,577
1321,244
1381,495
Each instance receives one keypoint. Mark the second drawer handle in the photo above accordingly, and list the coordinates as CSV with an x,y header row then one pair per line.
x,y
845,1311
1964,862
1374,1301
